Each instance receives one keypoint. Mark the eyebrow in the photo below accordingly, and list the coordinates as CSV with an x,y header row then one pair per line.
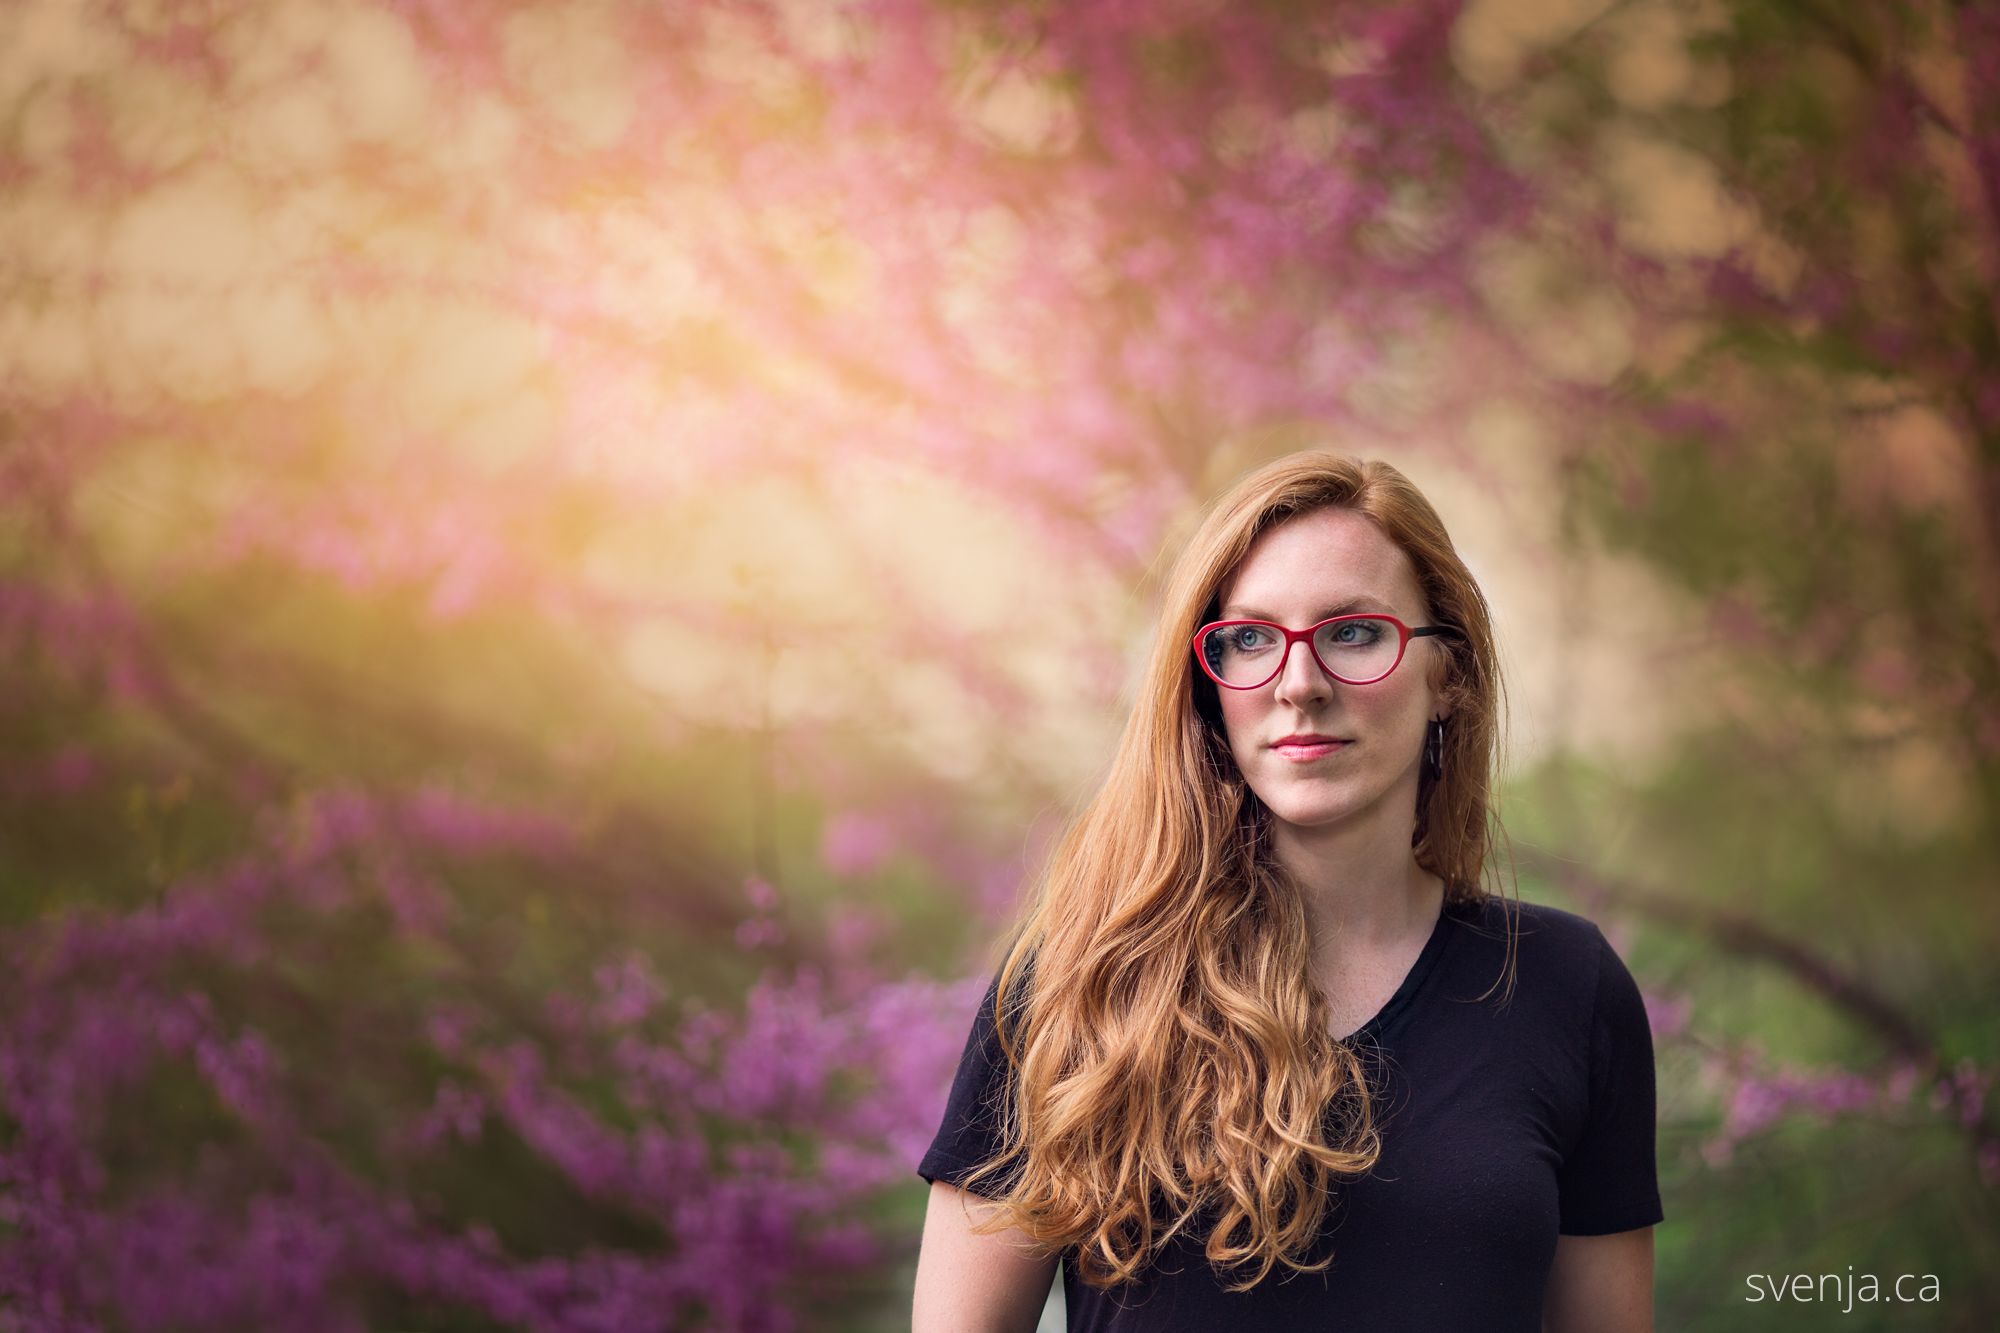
x,y
1363,603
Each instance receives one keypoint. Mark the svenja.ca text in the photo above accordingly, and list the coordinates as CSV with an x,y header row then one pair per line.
x,y
1849,1289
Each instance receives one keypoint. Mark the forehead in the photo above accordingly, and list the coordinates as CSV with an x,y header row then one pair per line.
x,y
1309,566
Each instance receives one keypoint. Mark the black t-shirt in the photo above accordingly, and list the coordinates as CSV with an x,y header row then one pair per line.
x,y
1502,1126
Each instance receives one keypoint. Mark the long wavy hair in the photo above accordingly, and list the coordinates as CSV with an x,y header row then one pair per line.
x,y
1170,1054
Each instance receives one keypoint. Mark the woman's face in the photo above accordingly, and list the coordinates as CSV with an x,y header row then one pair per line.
x,y
1319,564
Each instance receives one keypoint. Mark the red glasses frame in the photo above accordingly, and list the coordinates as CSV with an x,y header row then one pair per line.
x,y
1291,636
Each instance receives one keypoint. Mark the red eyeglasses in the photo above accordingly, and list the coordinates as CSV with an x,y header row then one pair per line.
x,y
1246,654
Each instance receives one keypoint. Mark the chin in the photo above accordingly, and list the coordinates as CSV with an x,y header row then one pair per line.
x,y
1308,803
1307,813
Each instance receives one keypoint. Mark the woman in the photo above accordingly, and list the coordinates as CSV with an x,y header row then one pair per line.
x,y
1256,1067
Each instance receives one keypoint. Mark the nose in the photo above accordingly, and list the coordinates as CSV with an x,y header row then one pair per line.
x,y
1300,678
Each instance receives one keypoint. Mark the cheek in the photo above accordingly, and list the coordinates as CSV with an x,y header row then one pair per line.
x,y
1243,720
1389,709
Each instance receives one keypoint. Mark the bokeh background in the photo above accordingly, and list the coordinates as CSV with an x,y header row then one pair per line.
x,y
559,563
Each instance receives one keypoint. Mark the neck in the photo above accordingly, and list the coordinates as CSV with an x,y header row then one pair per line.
x,y
1362,887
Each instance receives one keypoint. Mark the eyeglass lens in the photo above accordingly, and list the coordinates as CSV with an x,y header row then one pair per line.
x,y
1354,650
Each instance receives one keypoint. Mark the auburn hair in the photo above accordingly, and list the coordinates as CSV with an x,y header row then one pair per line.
x,y
1170,1056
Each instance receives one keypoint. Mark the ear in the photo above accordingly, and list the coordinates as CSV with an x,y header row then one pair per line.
x,y
1444,691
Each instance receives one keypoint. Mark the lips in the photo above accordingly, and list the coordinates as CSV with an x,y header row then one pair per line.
x,y
1304,751
1310,738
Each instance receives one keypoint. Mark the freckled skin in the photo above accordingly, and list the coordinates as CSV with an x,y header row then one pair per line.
x,y
1292,572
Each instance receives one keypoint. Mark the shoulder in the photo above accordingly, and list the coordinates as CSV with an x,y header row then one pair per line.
x,y
1558,960
990,1013
1550,933
971,1129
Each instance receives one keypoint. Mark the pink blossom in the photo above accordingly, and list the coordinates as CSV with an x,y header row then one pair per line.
x,y
856,844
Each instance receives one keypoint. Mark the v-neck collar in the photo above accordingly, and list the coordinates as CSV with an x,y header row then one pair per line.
x,y
1413,980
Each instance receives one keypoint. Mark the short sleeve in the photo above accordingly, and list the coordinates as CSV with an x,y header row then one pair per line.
x,y
1609,1181
969,1134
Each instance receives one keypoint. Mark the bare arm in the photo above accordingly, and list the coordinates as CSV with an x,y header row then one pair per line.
x,y
1601,1284
978,1284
